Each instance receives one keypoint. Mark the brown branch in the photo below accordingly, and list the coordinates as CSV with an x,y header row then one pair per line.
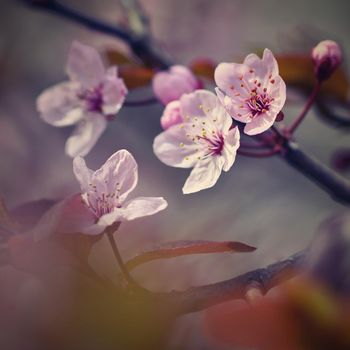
x,y
199,298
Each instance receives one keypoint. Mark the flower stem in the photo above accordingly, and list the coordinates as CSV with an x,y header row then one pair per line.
x,y
118,257
307,107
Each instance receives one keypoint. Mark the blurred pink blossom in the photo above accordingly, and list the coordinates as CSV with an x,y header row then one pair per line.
x,y
91,97
205,141
172,84
171,115
253,92
326,56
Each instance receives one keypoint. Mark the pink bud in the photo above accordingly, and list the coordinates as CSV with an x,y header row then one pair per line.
x,y
326,56
172,84
171,115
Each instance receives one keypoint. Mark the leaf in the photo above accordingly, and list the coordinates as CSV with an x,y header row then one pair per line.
x,y
298,70
135,76
178,248
203,67
117,58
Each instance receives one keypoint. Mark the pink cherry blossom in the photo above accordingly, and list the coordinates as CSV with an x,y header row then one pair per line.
x,y
102,201
172,84
327,56
105,191
171,115
253,92
91,97
205,141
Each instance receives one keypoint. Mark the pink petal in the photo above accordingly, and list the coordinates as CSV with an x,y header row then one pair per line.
x,y
114,92
204,175
197,103
172,147
171,115
118,172
84,65
68,216
134,209
260,124
85,135
232,107
59,105
230,148
227,77
171,85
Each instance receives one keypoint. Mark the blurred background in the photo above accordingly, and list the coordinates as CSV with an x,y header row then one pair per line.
x,y
262,202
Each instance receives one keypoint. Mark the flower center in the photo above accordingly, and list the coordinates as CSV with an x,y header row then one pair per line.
x,y
92,98
216,144
258,103
101,203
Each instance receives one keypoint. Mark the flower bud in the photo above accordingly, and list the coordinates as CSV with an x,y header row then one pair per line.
x,y
171,115
172,84
326,56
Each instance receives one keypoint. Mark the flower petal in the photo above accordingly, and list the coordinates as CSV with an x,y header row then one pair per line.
x,y
113,92
230,148
86,135
117,175
197,103
227,78
204,175
260,124
59,105
82,173
173,148
84,65
142,206
68,216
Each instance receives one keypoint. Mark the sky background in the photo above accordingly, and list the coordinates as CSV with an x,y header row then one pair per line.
x,y
260,202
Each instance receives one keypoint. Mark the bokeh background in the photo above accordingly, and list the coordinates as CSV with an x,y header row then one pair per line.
x,y
262,202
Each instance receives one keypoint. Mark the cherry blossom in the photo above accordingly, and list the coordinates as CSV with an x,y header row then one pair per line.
x,y
253,92
327,56
205,141
105,191
91,97
102,201
172,84
171,115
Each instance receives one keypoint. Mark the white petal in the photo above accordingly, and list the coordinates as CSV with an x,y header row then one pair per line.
x,y
117,175
86,135
143,206
204,175
197,103
230,148
84,65
82,173
59,105
260,124
134,209
172,147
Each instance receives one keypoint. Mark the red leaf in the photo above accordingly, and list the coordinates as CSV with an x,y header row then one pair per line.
x,y
178,248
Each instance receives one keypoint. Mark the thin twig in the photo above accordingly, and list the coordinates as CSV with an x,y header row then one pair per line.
x,y
306,109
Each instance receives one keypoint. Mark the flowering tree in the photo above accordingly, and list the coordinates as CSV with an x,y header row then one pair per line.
x,y
205,125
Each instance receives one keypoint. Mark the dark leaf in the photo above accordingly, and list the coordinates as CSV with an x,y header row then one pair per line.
x,y
178,248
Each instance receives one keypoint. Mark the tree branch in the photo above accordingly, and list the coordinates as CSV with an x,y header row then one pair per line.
x,y
199,298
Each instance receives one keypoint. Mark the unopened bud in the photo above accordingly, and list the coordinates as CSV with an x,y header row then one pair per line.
x,y
327,56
